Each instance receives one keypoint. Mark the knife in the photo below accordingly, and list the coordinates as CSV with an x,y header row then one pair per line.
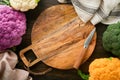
x,y
84,49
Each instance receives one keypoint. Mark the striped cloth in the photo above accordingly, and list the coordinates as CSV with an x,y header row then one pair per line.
x,y
104,11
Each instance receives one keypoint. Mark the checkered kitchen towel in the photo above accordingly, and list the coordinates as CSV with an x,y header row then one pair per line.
x,y
105,11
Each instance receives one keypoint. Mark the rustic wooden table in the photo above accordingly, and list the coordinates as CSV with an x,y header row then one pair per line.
x,y
56,74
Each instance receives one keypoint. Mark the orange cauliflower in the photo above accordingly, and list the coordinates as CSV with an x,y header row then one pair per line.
x,y
105,69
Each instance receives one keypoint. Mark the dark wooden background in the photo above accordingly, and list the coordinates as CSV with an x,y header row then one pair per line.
x,y
56,74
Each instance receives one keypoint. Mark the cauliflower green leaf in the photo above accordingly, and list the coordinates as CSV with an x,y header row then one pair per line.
x,y
110,58
4,2
37,1
83,75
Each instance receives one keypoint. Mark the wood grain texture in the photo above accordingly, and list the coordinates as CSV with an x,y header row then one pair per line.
x,y
58,36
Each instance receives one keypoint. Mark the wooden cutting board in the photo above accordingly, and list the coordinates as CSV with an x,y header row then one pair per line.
x,y
57,38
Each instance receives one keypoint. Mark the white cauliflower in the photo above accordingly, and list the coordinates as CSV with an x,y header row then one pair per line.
x,y
24,5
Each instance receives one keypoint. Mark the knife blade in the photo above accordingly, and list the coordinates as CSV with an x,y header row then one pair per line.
x,y
89,38
84,49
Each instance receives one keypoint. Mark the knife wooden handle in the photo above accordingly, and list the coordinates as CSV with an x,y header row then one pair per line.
x,y
79,58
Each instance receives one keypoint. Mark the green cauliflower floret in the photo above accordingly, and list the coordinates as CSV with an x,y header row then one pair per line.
x,y
111,39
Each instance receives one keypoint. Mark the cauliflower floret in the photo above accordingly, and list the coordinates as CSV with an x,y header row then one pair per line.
x,y
105,69
24,5
12,27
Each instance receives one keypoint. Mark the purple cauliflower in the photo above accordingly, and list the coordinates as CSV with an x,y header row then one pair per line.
x,y
12,27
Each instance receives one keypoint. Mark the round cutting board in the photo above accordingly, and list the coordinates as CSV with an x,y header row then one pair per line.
x,y
58,36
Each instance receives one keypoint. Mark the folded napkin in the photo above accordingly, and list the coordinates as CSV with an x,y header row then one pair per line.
x,y
104,11
8,61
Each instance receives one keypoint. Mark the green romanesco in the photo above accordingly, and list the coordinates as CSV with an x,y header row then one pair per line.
x,y
111,39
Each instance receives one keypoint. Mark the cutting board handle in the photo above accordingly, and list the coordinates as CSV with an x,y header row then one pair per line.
x,y
22,56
